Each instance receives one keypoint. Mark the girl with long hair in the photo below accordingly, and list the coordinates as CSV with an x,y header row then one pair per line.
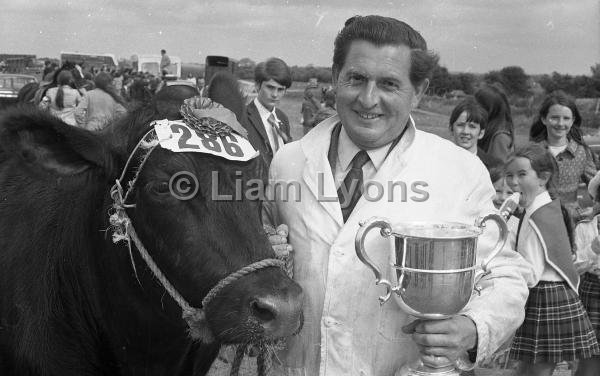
x,y
557,128
64,99
499,138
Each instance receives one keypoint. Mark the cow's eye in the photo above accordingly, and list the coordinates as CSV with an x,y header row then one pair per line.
x,y
159,187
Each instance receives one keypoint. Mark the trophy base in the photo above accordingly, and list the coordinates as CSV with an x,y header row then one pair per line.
x,y
428,371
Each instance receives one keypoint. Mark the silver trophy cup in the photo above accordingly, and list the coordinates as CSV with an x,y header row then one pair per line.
x,y
435,267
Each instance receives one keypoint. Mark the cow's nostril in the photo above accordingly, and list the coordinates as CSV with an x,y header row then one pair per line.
x,y
263,310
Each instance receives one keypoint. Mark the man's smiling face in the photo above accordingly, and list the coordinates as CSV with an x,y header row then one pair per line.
x,y
374,95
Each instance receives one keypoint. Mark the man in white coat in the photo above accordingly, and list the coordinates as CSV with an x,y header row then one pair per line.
x,y
381,68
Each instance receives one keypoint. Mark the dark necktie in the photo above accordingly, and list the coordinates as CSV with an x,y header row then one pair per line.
x,y
276,133
351,189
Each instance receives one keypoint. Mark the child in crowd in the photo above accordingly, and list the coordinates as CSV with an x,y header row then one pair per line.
x,y
556,326
499,182
588,265
467,124
558,129
499,139
328,108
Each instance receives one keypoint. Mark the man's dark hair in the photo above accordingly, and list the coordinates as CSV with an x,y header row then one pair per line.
x,y
273,69
163,51
385,31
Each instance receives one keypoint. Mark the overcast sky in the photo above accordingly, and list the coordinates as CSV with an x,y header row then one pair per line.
x,y
541,36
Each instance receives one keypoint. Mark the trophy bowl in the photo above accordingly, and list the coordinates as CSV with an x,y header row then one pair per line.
x,y
435,266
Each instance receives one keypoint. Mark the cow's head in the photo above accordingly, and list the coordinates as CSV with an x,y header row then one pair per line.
x,y
196,241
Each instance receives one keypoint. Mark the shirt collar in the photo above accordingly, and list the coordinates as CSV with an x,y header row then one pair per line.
x,y
571,146
263,112
539,201
347,150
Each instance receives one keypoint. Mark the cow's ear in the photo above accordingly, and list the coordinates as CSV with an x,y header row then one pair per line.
x,y
42,140
225,89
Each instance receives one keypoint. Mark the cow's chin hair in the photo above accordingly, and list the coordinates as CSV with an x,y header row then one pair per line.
x,y
251,333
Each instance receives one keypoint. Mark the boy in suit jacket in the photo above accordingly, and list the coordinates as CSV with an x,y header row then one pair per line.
x,y
268,127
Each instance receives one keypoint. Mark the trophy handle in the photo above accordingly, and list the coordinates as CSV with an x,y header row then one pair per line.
x,y
359,246
501,239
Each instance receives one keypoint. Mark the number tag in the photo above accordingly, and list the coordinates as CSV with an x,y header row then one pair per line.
x,y
179,137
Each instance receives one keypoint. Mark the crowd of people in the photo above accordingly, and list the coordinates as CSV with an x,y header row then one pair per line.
x,y
98,96
560,325
541,299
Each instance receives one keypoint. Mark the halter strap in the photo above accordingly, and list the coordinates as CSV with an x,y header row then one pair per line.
x,y
145,145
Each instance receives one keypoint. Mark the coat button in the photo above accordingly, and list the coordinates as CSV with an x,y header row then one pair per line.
x,y
328,322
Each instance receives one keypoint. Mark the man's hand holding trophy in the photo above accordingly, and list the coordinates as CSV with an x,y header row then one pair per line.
x,y
436,273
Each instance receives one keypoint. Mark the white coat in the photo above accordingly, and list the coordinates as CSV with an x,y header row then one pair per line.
x,y
346,332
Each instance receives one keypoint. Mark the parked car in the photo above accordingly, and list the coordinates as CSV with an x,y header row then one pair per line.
x,y
10,84
180,82
171,82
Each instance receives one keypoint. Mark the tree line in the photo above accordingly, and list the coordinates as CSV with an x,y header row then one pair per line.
x,y
301,74
514,79
517,83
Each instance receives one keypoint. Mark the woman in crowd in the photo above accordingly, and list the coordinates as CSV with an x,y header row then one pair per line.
x,y
499,138
557,128
101,105
64,99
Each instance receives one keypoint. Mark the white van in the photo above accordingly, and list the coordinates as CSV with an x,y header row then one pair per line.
x,y
151,64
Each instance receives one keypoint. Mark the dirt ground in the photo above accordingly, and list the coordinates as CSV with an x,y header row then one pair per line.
x,y
498,368
249,369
